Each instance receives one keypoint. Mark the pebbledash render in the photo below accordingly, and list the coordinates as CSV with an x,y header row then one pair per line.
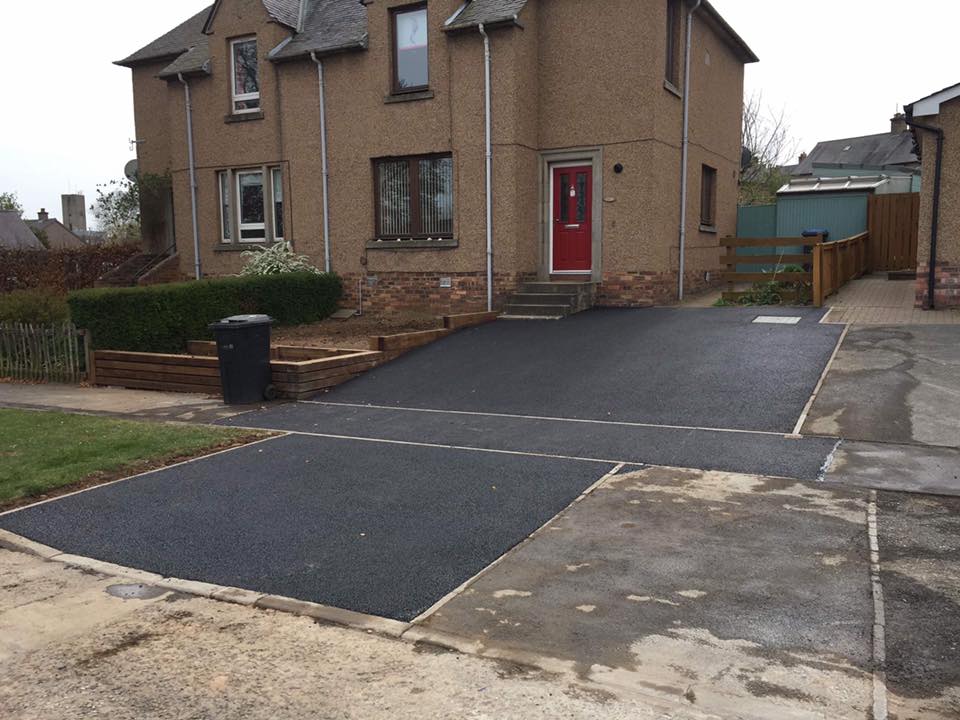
x,y
586,139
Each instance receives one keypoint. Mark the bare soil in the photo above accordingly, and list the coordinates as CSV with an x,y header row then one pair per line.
x,y
354,332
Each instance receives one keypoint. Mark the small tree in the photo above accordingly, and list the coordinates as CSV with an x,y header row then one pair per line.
x,y
117,209
767,148
10,201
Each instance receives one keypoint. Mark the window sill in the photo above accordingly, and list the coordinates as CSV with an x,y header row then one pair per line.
x,y
712,229
672,89
243,117
409,97
439,244
240,247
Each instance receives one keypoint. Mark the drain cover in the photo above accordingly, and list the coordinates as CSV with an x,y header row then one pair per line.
x,y
135,592
778,319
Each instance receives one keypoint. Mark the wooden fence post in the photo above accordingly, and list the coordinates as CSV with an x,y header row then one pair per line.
x,y
818,273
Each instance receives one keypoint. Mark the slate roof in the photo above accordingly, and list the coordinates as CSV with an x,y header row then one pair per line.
x,y
868,151
488,12
176,42
194,60
14,233
328,26
284,11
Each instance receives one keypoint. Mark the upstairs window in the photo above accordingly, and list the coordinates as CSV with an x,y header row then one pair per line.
x,y
246,80
708,196
414,198
672,68
411,71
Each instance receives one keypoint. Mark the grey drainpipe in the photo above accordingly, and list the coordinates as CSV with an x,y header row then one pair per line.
x,y
685,148
197,270
935,220
323,163
488,128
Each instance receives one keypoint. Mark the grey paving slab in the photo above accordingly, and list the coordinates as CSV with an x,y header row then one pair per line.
x,y
751,597
737,452
707,367
895,385
381,529
891,466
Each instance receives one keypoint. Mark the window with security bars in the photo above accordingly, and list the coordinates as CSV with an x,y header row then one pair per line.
x,y
414,198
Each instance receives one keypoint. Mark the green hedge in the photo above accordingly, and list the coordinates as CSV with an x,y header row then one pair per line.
x,y
162,318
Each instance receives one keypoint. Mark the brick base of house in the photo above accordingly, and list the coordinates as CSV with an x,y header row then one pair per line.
x,y
387,292
642,289
946,288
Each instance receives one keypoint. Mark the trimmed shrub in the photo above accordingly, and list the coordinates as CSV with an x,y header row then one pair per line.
x,y
39,307
163,318
60,270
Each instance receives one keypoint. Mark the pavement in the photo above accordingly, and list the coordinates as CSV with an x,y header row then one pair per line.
x,y
120,402
70,650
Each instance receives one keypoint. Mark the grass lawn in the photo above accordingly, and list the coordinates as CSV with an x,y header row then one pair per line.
x,y
43,453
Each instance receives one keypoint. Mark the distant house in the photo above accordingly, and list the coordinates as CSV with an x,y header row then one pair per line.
x,y
15,234
53,232
935,121
890,153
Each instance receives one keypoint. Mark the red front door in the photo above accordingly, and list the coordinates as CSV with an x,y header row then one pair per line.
x,y
572,219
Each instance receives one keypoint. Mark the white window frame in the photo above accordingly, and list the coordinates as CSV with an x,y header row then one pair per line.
x,y
241,226
242,97
274,172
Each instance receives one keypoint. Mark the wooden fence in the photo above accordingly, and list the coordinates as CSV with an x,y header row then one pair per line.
x,y
46,353
893,222
826,268
837,263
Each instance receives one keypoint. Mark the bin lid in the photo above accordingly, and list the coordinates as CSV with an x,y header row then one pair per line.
x,y
241,320
811,232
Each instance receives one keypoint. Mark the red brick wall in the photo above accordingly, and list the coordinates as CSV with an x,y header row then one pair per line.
x,y
642,289
421,291
946,288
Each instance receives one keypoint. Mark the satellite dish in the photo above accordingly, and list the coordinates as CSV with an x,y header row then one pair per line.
x,y
132,169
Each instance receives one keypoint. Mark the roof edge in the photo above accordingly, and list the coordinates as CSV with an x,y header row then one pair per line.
x,y
746,54
930,104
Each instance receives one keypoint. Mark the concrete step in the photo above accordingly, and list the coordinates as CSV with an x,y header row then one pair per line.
x,y
525,310
556,287
526,298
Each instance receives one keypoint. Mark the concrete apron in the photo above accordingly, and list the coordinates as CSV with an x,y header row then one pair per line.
x,y
893,394
723,593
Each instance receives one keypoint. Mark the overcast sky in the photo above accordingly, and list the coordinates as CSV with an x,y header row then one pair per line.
x,y
838,68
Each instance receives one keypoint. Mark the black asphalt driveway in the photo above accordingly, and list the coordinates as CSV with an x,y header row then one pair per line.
x,y
376,528
399,486
710,367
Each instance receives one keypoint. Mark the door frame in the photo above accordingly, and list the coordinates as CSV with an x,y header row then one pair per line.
x,y
570,158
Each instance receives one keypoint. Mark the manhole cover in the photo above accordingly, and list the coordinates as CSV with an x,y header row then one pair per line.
x,y
777,319
135,592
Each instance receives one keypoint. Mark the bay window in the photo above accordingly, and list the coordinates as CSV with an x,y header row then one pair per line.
x,y
414,197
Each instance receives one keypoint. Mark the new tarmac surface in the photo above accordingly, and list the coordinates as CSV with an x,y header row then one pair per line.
x,y
386,509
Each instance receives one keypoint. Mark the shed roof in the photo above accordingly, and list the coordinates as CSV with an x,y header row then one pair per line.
x,y
14,233
870,151
850,183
